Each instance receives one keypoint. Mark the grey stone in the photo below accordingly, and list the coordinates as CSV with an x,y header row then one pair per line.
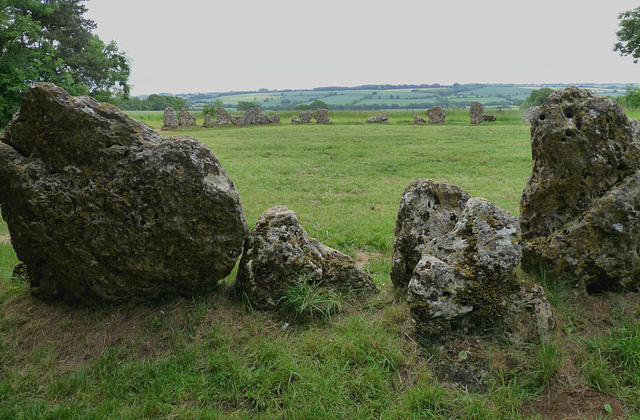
x,y
102,208
185,119
419,120
379,118
295,120
322,116
222,117
305,117
278,251
170,121
488,117
428,209
576,211
475,113
530,114
275,119
437,115
207,121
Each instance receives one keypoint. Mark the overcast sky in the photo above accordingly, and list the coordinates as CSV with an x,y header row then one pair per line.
x,y
190,46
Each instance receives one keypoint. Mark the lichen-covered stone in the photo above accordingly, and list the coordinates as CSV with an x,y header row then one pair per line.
x,y
275,119
222,117
278,251
185,119
169,121
428,209
379,118
530,114
322,116
475,113
471,269
437,115
305,117
100,207
488,117
419,120
207,121
583,148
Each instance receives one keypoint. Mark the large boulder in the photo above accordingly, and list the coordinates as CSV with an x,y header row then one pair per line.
x,y
585,160
437,115
222,117
255,116
322,116
169,121
278,251
428,209
185,119
100,207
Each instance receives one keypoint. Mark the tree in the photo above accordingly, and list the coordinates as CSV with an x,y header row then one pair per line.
x,y
244,105
318,104
49,40
629,34
536,97
631,99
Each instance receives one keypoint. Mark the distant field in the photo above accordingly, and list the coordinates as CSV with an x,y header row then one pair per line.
x,y
458,96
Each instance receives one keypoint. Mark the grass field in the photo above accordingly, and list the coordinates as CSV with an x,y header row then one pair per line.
x,y
213,357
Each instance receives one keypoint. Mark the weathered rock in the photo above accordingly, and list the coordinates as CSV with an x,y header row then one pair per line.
x,y
170,121
583,149
322,116
275,119
237,119
428,209
305,117
295,120
475,113
469,274
255,116
100,207
207,121
419,120
379,118
222,117
185,119
488,117
278,251
437,115
530,114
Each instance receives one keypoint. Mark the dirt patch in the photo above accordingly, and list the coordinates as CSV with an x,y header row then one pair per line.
x,y
555,404
5,238
363,258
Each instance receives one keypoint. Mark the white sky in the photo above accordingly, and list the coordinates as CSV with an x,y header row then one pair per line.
x,y
190,46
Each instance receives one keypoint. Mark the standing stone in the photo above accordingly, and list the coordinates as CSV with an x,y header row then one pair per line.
x,y
419,120
489,117
295,120
207,121
378,118
578,211
170,121
437,115
185,119
222,117
305,117
475,114
102,208
275,119
254,115
278,252
428,209
322,116
530,114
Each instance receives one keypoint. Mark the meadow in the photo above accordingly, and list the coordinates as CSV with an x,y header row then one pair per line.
x,y
212,356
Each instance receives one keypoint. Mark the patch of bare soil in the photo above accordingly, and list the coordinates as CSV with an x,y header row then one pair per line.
x,y
5,238
555,404
364,258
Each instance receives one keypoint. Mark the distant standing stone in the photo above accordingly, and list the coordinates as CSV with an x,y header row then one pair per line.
x,y
275,119
475,114
437,115
489,117
170,121
222,117
378,118
305,117
295,120
185,119
322,116
207,121
419,120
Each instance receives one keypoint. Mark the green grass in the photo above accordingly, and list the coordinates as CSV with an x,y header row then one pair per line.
x,y
344,357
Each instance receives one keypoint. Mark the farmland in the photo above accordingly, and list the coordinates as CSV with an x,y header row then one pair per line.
x,y
386,97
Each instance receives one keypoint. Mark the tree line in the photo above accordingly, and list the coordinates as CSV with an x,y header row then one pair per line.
x,y
51,41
